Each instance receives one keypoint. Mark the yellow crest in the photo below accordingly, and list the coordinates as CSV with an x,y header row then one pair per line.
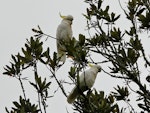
x,y
91,65
62,16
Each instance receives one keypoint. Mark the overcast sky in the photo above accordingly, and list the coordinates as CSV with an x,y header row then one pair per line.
x,y
17,19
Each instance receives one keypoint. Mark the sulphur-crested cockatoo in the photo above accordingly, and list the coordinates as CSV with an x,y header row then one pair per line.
x,y
63,35
86,81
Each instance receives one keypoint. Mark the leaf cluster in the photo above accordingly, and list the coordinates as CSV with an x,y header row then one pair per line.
x,y
97,11
41,87
96,102
139,10
77,49
23,106
32,53
121,94
112,44
30,56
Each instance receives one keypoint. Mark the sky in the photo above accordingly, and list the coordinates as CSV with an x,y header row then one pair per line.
x,y
18,17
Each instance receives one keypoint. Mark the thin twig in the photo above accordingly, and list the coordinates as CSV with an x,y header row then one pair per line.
x,y
59,84
22,87
130,106
49,36
115,75
35,74
144,56
121,5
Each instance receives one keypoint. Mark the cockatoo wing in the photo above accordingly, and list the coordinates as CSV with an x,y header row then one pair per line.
x,y
77,91
73,95
87,78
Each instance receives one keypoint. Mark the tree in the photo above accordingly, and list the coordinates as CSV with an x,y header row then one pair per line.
x,y
120,50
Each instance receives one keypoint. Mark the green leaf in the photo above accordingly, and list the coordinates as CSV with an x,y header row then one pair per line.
x,y
88,14
131,53
53,62
46,53
99,4
140,11
13,57
81,39
116,18
111,99
112,16
16,104
34,85
106,10
47,85
116,35
72,72
122,93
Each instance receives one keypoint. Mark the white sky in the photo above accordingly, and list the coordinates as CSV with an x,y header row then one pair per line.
x,y
17,19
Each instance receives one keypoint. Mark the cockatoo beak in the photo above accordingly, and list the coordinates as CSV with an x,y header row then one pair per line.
x,y
99,70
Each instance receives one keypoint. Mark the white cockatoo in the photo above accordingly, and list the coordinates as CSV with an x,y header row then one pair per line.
x,y
63,35
86,81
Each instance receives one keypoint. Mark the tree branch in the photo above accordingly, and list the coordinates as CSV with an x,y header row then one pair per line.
x,y
59,83
22,87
